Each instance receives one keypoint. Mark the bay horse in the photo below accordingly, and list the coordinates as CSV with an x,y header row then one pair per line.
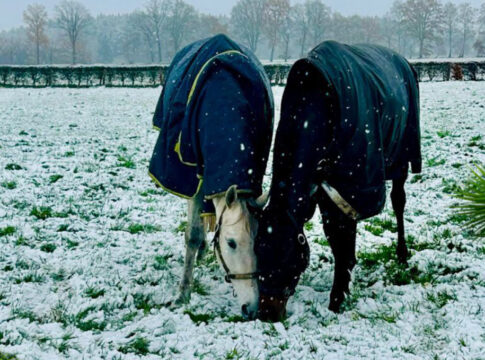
x,y
215,117
349,122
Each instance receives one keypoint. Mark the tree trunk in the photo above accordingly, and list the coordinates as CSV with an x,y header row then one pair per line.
x,y
303,41
152,57
421,48
287,48
450,40
74,53
38,51
272,52
462,54
159,47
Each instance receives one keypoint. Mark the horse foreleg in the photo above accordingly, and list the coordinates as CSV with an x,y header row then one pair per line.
x,y
398,197
194,240
341,232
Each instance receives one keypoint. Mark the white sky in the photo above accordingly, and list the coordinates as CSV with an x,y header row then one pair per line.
x,y
11,10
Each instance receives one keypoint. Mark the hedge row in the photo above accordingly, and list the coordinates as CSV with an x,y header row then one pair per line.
x,y
154,75
81,76
445,71
95,75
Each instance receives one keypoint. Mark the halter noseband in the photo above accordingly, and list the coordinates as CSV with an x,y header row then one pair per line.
x,y
217,249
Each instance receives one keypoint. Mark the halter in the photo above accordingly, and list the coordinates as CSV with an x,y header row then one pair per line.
x,y
217,249
301,236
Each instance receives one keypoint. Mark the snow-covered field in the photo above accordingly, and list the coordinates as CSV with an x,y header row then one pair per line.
x,y
90,250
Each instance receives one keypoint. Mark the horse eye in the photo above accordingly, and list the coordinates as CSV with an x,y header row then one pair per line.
x,y
232,243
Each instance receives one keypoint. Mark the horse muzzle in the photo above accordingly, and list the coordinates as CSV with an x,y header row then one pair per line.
x,y
272,308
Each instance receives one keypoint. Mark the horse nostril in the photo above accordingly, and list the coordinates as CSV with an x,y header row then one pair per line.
x,y
244,310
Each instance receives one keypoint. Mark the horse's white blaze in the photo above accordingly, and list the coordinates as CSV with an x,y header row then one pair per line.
x,y
240,227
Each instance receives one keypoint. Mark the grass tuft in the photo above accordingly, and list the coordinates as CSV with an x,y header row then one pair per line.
x,y
8,230
161,262
55,178
142,228
48,248
88,325
13,167
435,162
42,212
181,228
94,293
200,288
441,298
138,346
443,133
126,162
199,318
9,185
309,226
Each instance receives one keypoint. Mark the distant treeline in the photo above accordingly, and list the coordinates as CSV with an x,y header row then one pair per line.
x,y
274,29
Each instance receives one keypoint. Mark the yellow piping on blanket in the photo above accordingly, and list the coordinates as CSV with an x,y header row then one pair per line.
x,y
177,150
201,180
194,85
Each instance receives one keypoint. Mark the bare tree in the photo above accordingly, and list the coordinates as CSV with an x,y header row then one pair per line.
x,y
133,41
180,23
73,18
479,45
466,18
35,16
276,12
13,47
388,29
155,19
139,23
211,25
397,17
450,16
287,29
423,20
300,20
371,29
318,15
247,17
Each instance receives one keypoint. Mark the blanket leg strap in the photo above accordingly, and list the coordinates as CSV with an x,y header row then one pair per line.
x,y
341,203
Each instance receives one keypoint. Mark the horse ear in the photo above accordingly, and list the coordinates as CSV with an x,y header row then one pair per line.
x,y
231,195
262,200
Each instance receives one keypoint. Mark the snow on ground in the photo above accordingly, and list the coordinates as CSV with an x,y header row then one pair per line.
x,y
90,250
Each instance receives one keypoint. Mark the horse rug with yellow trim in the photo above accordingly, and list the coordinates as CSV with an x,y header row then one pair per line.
x,y
215,117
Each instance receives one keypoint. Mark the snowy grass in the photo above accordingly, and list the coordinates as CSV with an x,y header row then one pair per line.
x,y
90,250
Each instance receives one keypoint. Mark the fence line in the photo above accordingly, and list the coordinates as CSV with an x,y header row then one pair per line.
x,y
154,75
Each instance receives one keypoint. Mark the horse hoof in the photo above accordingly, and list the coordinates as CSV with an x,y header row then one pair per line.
x,y
335,308
403,260
336,304
177,302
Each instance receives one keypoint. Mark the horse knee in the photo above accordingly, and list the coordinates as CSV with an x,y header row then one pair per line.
x,y
194,237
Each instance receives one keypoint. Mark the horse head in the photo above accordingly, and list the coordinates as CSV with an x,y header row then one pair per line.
x,y
282,255
237,224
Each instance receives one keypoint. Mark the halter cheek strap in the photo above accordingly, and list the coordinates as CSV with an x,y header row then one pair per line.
x,y
217,249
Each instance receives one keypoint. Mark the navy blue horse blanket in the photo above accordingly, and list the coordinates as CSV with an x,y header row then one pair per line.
x,y
215,117
349,121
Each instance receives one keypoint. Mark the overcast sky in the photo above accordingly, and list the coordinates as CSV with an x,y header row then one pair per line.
x,y
11,10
